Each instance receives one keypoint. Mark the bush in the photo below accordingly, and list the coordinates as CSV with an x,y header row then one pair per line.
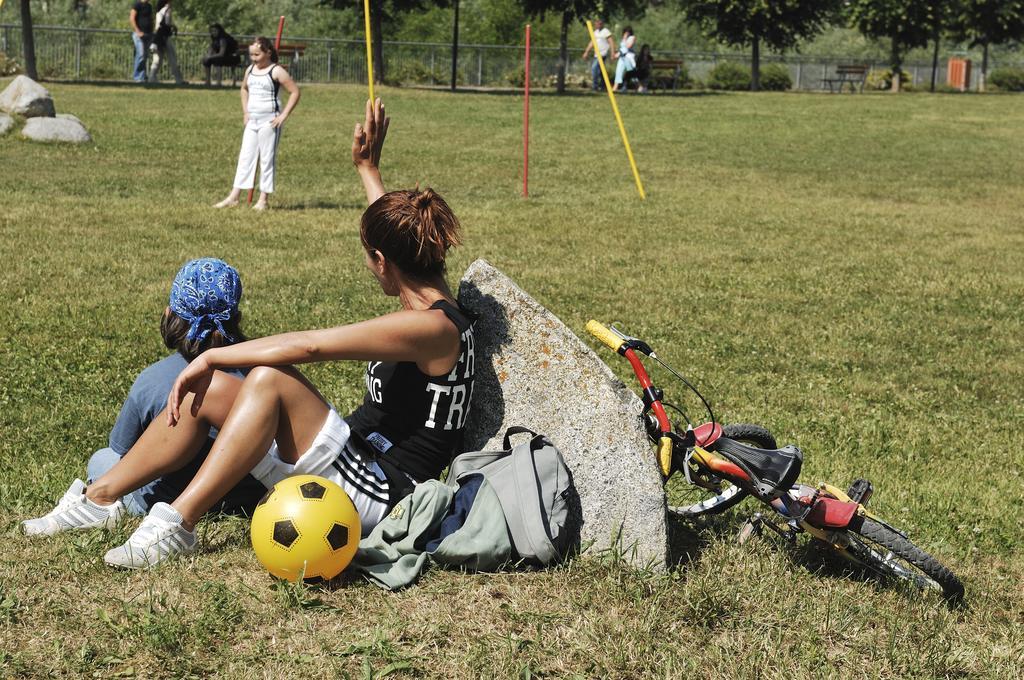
x,y
517,78
571,81
775,78
416,72
8,67
1007,78
882,80
729,75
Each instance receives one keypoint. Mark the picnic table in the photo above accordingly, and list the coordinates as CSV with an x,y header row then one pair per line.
x,y
854,74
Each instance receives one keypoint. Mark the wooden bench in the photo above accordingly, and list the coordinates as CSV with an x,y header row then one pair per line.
x,y
854,74
675,66
294,53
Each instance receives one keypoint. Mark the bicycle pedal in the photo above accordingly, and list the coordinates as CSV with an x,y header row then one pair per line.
x,y
750,528
860,491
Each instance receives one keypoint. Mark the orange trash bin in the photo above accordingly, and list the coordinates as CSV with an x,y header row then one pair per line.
x,y
958,73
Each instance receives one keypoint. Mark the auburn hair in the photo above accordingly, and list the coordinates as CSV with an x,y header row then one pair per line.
x,y
265,45
174,330
413,229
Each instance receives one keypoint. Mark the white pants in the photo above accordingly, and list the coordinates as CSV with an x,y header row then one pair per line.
x,y
259,141
329,457
172,59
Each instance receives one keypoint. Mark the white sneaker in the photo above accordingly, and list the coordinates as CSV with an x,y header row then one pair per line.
x,y
160,537
75,511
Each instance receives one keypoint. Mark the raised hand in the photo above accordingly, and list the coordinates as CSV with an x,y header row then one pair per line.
x,y
368,137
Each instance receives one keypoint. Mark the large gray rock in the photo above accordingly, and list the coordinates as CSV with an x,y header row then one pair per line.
x,y
532,371
25,97
6,123
55,130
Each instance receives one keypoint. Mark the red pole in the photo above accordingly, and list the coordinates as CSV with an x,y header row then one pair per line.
x,y
526,116
280,29
277,46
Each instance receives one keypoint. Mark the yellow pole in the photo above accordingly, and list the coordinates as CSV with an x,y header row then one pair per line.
x,y
369,49
615,108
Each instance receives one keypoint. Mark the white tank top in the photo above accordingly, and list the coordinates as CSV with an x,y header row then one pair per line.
x,y
264,92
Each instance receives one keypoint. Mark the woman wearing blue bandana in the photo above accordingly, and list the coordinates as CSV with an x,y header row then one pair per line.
x,y
274,423
202,313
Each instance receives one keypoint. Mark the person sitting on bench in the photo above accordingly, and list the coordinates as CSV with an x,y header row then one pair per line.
x,y
642,72
223,50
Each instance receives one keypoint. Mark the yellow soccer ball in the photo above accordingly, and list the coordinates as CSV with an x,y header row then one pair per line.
x,y
305,527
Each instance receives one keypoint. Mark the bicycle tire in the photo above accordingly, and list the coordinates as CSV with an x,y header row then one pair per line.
x,y
913,565
700,501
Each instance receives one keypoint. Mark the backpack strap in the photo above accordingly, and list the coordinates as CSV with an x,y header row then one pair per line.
x,y
516,429
528,498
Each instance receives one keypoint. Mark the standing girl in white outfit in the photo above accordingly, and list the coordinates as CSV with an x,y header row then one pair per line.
x,y
263,115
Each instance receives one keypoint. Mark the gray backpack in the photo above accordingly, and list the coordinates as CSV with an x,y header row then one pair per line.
x,y
535,489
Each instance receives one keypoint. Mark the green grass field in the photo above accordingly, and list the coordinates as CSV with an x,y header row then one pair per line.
x,y
845,270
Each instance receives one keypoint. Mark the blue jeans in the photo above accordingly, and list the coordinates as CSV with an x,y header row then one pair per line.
x,y
595,74
139,71
241,499
100,463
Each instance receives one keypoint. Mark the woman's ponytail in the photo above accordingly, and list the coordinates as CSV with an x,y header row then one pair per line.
x,y
413,229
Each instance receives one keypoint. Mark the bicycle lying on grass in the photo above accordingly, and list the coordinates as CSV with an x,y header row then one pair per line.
x,y
724,465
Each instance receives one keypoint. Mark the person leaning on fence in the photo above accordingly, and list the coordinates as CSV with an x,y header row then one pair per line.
x,y
223,50
163,43
605,48
141,19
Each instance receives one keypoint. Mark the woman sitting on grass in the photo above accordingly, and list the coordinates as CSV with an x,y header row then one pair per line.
x,y
202,313
274,423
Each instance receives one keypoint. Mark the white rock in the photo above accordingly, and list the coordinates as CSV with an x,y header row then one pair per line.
x,y
68,116
25,97
6,123
55,130
531,370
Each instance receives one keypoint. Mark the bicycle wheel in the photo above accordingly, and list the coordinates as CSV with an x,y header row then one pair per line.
x,y
889,553
711,495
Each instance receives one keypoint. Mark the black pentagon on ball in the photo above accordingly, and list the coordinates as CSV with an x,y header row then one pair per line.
x,y
338,536
312,490
285,533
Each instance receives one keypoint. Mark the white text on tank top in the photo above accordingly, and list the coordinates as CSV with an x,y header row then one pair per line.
x,y
450,404
263,93
459,396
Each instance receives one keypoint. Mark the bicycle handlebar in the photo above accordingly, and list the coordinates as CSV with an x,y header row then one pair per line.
x,y
610,338
652,396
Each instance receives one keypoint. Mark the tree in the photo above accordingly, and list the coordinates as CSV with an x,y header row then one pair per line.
x,y
571,10
905,23
988,22
941,16
777,24
28,43
381,12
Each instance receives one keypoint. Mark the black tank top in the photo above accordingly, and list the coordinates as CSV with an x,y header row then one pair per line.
x,y
414,422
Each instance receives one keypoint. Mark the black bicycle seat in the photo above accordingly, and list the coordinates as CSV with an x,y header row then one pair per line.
x,y
772,471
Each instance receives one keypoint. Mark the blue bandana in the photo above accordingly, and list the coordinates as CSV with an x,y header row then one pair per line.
x,y
206,293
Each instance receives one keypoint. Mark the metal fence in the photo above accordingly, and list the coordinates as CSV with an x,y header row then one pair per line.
x,y
66,53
